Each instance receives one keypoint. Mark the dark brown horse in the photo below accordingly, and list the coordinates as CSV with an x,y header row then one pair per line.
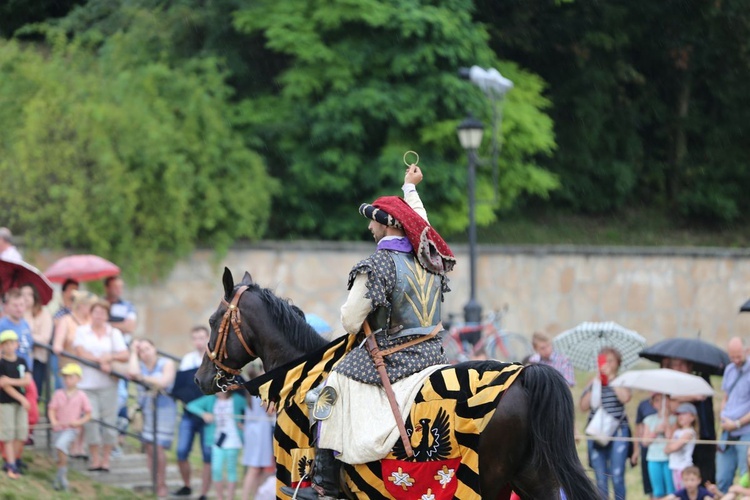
x,y
528,443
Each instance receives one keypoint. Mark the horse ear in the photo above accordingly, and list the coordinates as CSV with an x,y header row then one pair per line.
x,y
247,279
228,283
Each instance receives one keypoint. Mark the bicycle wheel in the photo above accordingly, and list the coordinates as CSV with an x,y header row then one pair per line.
x,y
453,349
508,346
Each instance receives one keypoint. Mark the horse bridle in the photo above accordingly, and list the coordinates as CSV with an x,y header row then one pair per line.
x,y
219,351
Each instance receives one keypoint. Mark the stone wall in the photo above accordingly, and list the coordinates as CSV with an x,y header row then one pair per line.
x,y
660,293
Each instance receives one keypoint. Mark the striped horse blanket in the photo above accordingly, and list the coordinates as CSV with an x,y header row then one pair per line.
x,y
450,411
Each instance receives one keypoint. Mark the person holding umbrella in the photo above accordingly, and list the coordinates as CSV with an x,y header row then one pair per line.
x,y
609,460
40,322
704,455
693,355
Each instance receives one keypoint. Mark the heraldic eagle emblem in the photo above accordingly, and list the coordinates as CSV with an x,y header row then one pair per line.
x,y
434,439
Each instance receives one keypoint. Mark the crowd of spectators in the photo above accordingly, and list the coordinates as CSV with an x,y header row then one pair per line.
x,y
234,429
89,362
674,465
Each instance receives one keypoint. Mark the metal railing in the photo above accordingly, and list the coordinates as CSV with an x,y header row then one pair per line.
x,y
46,389
168,355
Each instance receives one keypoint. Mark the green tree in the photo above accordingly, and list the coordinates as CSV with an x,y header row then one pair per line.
x,y
15,14
123,153
648,99
356,84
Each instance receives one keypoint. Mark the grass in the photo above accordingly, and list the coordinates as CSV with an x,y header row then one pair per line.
x,y
635,227
37,483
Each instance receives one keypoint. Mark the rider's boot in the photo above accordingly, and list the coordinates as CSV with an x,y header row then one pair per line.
x,y
325,480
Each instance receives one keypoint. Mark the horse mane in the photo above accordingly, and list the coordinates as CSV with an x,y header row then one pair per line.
x,y
289,319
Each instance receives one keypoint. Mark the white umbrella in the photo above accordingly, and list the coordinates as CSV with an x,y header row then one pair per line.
x,y
664,381
582,343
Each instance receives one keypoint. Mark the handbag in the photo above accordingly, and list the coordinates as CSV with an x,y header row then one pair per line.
x,y
602,426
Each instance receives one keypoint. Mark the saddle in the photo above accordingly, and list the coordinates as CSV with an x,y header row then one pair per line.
x,y
449,412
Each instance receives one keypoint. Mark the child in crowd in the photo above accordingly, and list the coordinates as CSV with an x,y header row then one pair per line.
x,y
15,309
14,377
691,479
68,410
222,414
680,447
658,427
258,451
645,408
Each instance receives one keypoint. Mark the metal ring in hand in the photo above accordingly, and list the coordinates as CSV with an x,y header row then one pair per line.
x,y
415,162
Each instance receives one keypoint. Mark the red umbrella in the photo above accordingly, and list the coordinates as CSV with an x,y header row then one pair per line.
x,y
16,274
81,268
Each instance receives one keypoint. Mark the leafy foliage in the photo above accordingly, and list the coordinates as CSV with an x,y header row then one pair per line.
x,y
366,81
138,128
648,99
15,14
122,153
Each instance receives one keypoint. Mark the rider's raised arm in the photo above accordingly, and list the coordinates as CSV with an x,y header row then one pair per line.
x,y
413,177
357,306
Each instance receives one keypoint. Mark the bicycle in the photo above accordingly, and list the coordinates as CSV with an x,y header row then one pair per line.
x,y
486,340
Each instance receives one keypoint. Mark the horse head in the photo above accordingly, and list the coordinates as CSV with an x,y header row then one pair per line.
x,y
228,343
251,322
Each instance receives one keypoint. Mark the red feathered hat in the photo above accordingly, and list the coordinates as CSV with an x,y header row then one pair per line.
x,y
431,250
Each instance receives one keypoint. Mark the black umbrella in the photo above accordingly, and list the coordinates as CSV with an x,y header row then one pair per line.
x,y
745,307
706,358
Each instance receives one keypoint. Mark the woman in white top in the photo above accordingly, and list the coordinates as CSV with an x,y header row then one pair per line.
x,y
66,327
101,343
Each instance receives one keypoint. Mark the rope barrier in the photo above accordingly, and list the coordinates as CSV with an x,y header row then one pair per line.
x,y
663,440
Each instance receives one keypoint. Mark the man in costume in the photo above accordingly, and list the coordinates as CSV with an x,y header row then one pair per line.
x,y
398,292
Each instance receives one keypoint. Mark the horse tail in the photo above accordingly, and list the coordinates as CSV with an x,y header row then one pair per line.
x,y
553,446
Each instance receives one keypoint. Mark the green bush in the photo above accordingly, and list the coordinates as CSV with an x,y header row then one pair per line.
x,y
118,151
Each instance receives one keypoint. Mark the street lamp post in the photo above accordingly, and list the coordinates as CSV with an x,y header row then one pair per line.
x,y
470,136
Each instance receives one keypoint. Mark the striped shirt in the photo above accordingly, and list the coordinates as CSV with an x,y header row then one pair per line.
x,y
610,403
60,313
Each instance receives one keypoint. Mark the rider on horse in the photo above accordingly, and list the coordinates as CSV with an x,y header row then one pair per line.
x,y
397,293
